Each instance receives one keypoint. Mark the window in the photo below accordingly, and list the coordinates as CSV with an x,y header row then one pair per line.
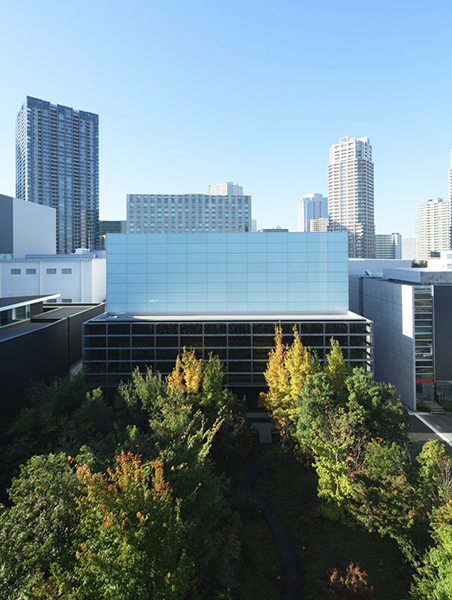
x,y
51,271
15,271
66,300
30,271
66,271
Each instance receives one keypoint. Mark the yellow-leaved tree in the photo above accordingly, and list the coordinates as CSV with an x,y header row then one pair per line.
x,y
288,369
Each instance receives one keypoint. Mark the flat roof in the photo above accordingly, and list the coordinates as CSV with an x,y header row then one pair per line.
x,y
348,316
16,301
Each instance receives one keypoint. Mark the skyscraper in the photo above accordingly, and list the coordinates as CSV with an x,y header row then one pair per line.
x,y
226,189
351,194
450,178
57,164
433,227
311,207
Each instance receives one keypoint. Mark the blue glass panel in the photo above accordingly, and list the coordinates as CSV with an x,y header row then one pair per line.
x,y
137,249
296,286
237,248
116,259
135,288
176,297
261,277
152,268
197,249
196,268
117,248
236,258
216,247
135,268
215,297
216,268
237,277
177,240
136,258
116,268
157,278
197,287
177,307
217,287
257,267
196,277
277,246
157,238
216,258
156,288
236,268
177,277
176,288
217,277
257,286
277,277
115,288
319,276
157,258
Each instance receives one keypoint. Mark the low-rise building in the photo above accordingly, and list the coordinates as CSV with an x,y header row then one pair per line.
x,y
79,277
410,309
38,342
225,294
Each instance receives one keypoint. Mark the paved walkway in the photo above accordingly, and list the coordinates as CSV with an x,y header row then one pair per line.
x,y
293,579
425,426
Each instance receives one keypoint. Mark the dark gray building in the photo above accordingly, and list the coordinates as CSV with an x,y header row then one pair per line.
x,y
37,343
57,164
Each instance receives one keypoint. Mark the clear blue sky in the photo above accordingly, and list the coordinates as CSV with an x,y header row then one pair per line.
x,y
192,93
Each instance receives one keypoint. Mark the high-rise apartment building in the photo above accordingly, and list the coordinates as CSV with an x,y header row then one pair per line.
x,y
351,194
433,227
450,178
226,189
188,213
409,247
388,246
311,207
57,165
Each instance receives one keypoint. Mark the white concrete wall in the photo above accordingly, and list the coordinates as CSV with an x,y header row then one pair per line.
x,y
85,283
34,229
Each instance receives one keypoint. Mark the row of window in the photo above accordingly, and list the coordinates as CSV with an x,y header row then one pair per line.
x,y
48,271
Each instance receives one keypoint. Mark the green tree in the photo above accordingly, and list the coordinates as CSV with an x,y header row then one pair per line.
x,y
37,530
131,534
384,416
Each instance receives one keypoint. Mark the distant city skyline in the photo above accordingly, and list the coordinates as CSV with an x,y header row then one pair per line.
x,y
195,113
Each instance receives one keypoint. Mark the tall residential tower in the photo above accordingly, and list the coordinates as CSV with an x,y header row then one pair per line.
x,y
57,165
351,194
310,208
433,227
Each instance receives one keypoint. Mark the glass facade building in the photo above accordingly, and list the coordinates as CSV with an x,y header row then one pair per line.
x,y
57,165
223,274
225,294
114,345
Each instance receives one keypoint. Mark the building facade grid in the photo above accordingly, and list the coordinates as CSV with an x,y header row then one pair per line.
x,y
57,165
188,213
